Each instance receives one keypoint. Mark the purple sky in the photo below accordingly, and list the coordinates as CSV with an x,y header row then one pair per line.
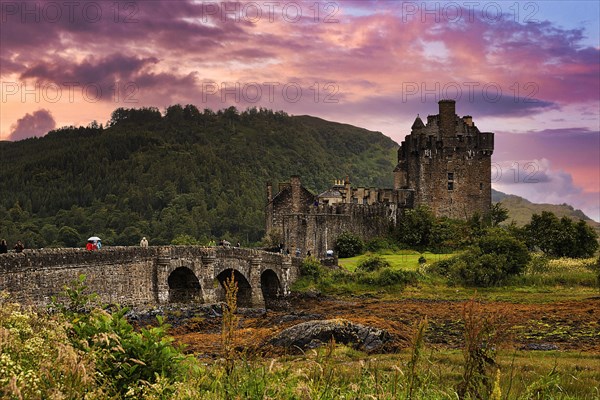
x,y
528,71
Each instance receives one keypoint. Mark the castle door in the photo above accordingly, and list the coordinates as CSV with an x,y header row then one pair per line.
x,y
184,287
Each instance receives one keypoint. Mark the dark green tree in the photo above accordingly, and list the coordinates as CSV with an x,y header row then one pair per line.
x,y
414,227
348,245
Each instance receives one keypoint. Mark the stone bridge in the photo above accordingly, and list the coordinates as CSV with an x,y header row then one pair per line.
x,y
138,276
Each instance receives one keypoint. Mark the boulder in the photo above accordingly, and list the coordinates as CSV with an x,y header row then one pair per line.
x,y
313,334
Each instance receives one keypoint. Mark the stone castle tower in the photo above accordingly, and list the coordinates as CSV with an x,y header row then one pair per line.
x,y
444,165
448,164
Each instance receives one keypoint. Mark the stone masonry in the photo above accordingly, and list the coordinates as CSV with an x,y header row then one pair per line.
x,y
149,276
444,165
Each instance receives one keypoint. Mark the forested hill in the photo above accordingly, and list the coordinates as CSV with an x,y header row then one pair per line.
x,y
187,172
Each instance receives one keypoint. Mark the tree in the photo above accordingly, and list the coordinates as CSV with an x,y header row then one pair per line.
x,y
415,227
497,214
586,239
69,236
561,237
348,245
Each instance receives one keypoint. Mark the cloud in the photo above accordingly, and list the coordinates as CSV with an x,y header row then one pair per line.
x,y
576,150
36,124
539,182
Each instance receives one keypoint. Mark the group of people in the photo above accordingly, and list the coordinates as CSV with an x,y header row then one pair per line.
x,y
18,248
93,245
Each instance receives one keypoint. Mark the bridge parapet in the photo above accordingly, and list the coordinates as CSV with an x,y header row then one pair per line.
x,y
136,275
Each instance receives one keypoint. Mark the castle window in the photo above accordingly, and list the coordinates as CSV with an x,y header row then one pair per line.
x,y
481,186
450,180
450,185
450,176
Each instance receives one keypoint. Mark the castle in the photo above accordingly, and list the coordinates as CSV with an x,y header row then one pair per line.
x,y
444,165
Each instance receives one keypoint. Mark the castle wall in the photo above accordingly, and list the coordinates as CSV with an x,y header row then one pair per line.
x,y
318,229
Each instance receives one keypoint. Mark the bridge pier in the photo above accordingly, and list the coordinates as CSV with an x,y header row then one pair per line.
x,y
257,296
162,270
209,294
286,266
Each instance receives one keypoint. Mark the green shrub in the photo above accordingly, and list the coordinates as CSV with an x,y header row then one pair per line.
x,y
348,245
372,263
311,268
496,257
598,271
123,357
389,277
538,264
37,360
422,260
379,244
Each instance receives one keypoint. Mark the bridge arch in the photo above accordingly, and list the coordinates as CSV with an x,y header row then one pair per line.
x,y
244,294
271,287
184,286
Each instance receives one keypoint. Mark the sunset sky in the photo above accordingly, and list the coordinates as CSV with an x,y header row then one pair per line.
x,y
528,71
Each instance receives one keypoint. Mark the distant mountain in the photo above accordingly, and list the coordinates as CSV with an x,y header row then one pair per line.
x,y
520,210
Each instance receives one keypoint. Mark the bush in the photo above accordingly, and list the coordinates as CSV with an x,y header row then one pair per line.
x,y
496,257
311,268
37,360
348,245
124,358
379,244
598,271
389,277
372,263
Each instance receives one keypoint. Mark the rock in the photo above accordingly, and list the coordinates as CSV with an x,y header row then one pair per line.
x,y
312,334
296,316
539,346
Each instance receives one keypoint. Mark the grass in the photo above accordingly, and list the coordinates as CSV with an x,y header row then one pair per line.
x,y
338,372
553,280
406,260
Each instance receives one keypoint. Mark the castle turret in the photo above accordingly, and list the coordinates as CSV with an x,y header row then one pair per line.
x,y
447,118
418,124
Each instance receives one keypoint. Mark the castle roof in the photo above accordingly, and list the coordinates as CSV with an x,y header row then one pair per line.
x,y
418,124
330,193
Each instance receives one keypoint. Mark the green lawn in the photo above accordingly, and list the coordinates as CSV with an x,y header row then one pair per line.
x,y
407,260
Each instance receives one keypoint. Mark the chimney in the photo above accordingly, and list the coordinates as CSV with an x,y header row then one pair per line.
x,y
296,189
269,192
269,211
447,118
468,120
348,189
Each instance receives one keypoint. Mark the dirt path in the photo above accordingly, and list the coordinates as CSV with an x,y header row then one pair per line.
x,y
562,326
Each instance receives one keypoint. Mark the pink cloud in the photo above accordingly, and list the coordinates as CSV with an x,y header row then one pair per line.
x,y
32,125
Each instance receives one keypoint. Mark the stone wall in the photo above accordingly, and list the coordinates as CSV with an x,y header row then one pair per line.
x,y
137,276
318,229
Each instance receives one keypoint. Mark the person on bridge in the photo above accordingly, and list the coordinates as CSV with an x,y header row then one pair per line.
x,y
144,242
19,247
91,246
3,247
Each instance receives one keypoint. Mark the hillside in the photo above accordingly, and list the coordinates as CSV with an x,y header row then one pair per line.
x,y
520,210
187,172
184,174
